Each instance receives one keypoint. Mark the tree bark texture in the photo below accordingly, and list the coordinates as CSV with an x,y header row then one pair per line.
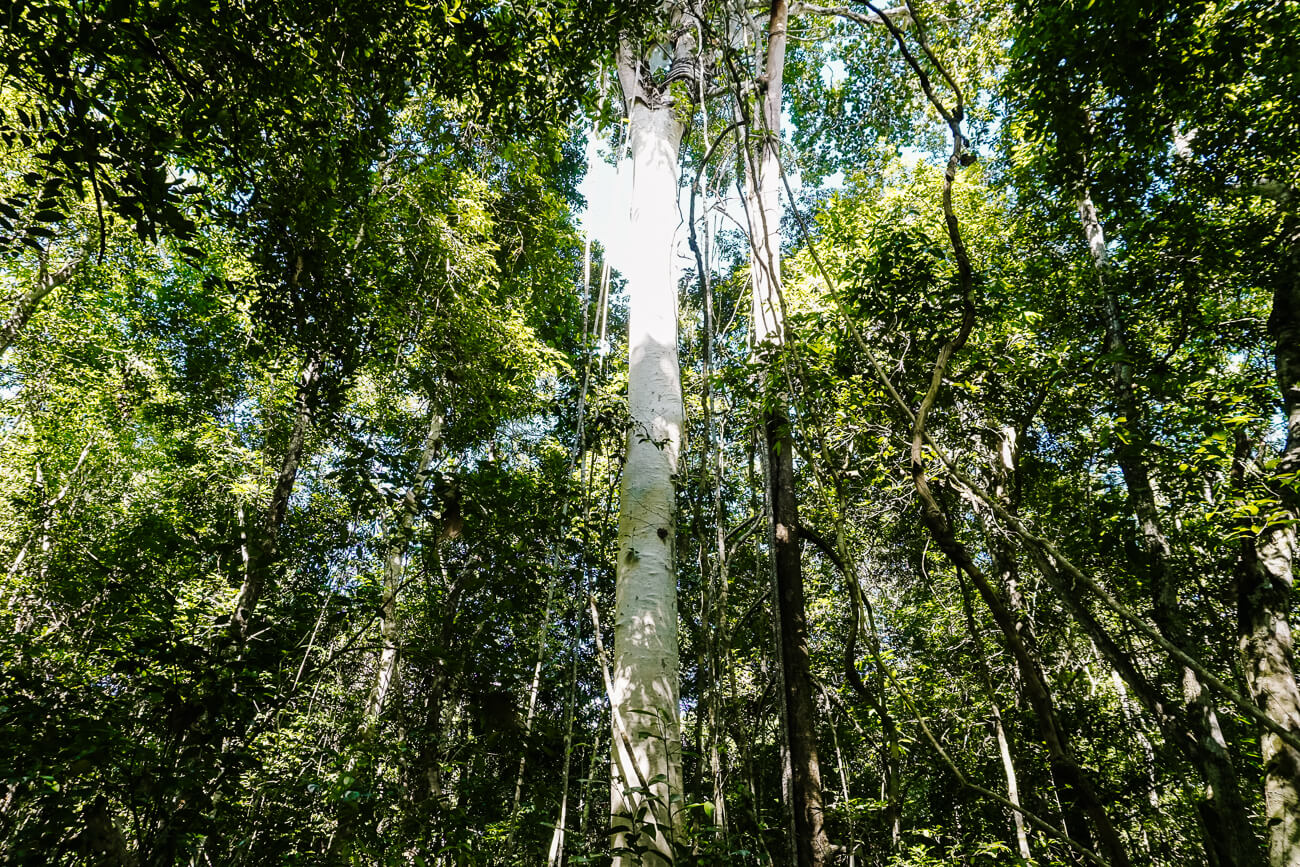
x,y
800,724
1265,576
644,686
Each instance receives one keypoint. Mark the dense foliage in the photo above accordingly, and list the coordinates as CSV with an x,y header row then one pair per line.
x,y
313,405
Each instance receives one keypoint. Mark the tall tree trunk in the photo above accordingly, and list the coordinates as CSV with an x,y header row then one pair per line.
x,y
1013,786
644,685
1265,575
1225,820
800,725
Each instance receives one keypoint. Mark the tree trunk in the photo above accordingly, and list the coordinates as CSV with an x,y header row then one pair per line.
x,y
1080,804
812,846
1225,820
1013,786
27,302
644,686
1265,575
800,725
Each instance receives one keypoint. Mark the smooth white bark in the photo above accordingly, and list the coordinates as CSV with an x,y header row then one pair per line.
x,y
644,688
1013,788
765,241
26,303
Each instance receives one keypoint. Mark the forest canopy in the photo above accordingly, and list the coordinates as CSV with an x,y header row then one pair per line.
x,y
909,475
